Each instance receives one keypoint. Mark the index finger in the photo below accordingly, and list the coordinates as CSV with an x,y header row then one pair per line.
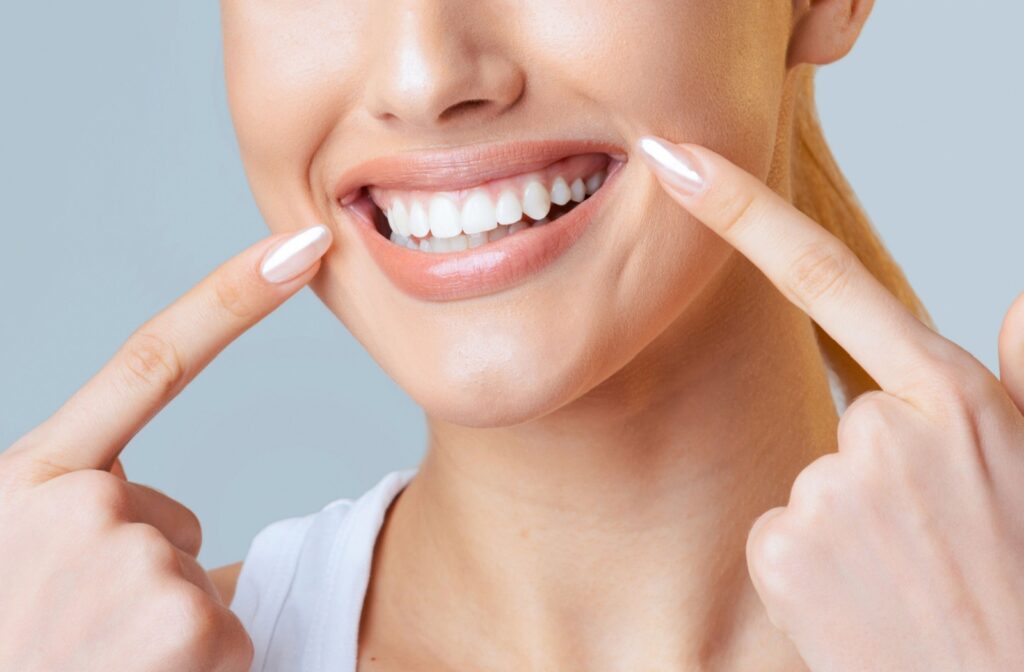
x,y
163,355
809,265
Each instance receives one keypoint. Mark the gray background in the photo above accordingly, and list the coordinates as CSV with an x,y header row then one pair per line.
x,y
121,186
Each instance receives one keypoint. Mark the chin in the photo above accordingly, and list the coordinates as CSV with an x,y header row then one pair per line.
x,y
493,378
493,404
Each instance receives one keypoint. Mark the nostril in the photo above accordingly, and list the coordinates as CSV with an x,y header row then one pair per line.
x,y
463,108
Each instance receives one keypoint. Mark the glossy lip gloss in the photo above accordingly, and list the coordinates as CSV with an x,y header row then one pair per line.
x,y
492,267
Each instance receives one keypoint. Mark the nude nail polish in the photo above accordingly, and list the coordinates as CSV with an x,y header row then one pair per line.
x,y
673,164
296,254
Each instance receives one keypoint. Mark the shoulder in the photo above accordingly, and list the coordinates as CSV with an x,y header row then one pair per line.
x,y
300,587
274,552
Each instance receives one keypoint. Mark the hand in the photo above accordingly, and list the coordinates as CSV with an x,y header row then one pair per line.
x,y
99,573
904,550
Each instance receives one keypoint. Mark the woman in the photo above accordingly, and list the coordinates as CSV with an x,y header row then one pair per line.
x,y
635,460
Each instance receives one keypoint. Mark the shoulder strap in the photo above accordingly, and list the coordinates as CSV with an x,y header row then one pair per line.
x,y
301,589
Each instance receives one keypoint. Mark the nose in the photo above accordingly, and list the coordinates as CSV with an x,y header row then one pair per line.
x,y
434,64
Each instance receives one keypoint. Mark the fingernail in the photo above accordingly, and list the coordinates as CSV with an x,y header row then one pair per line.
x,y
671,163
296,254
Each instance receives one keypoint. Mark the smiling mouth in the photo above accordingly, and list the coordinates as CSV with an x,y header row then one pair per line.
x,y
467,221
451,221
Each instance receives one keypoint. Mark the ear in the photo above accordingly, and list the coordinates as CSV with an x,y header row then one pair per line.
x,y
825,30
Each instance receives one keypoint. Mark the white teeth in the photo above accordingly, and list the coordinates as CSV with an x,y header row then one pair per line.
x,y
436,224
462,241
441,245
478,214
560,193
444,218
509,209
399,217
403,241
536,200
578,190
419,225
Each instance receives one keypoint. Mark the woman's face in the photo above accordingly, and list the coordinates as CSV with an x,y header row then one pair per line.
x,y
320,87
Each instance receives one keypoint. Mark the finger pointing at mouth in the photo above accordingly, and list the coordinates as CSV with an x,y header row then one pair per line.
x,y
810,266
163,355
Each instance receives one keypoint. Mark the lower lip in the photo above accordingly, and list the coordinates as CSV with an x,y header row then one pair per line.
x,y
490,268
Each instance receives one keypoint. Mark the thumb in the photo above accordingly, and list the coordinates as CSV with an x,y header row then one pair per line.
x,y
1011,352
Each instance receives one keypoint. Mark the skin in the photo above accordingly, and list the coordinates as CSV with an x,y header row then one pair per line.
x,y
590,484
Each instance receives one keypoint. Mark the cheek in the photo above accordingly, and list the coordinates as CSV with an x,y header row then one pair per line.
x,y
690,70
291,72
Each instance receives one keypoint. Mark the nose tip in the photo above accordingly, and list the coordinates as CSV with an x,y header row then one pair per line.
x,y
463,91
431,74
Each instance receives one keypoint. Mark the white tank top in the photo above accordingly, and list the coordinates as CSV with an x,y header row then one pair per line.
x,y
301,590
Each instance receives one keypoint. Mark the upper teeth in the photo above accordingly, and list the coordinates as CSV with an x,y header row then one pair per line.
x,y
477,211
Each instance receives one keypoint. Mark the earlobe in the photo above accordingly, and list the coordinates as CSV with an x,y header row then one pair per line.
x,y
825,30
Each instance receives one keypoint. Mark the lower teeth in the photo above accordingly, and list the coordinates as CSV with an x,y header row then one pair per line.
x,y
462,241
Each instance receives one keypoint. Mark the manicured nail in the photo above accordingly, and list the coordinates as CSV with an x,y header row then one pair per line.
x,y
674,165
294,255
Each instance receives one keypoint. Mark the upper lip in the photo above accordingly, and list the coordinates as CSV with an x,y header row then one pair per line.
x,y
463,167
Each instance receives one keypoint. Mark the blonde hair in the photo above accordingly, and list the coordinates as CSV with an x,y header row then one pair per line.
x,y
820,190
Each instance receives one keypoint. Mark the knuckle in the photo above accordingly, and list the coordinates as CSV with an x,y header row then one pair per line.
x,y
817,489
184,528
205,632
820,270
234,636
874,433
196,622
152,548
232,297
246,650
865,423
153,361
99,495
774,557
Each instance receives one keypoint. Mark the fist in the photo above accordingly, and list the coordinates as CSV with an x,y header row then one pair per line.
x,y
101,574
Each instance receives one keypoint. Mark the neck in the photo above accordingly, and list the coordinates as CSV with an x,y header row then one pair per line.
x,y
610,534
